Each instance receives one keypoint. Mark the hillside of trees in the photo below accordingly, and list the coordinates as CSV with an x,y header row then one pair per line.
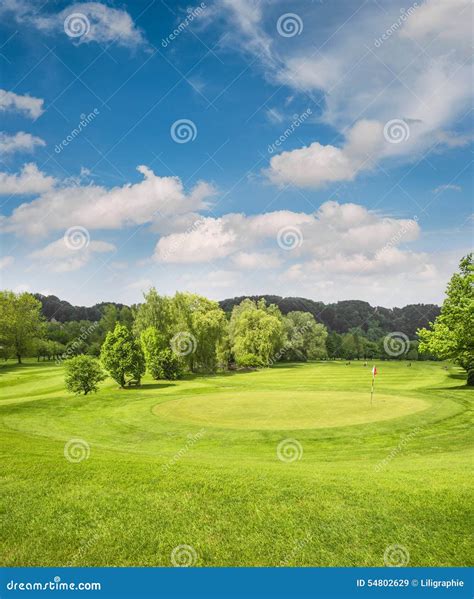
x,y
339,317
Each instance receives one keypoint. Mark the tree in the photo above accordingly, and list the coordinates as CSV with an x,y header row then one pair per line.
x,y
200,324
452,333
21,323
306,339
348,347
157,312
257,333
161,362
83,373
122,356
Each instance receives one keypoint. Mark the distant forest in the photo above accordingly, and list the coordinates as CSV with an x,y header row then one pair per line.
x,y
339,317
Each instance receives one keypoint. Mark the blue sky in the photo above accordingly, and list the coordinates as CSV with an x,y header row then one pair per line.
x,y
316,149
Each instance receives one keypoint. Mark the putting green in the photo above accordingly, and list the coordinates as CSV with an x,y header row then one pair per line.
x,y
277,410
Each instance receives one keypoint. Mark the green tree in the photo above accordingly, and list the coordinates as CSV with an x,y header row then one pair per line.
x,y
306,339
21,322
452,333
157,312
161,362
348,347
202,323
122,356
83,374
257,333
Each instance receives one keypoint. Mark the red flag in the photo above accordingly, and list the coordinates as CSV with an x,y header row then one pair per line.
x,y
374,371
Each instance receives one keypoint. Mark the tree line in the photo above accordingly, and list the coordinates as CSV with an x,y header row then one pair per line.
x,y
339,317
169,336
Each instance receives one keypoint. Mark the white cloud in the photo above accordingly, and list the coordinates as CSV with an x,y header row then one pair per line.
x,y
60,257
30,106
420,73
20,142
30,180
95,207
98,22
253,260
317,164
339,238
447,187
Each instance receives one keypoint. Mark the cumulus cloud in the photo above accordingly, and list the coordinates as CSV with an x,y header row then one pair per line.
x,y
30,180
338,238
317,164
20,142
96,207
60,257
84,22
375,67
28,105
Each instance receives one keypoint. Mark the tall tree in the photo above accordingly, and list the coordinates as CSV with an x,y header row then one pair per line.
x,y
257,333
306,338
157,312
452,333
122,356
21,322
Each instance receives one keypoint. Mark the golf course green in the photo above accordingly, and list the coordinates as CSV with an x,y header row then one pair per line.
x,y
286,466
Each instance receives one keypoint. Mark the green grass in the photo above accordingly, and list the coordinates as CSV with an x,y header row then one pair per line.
x,y
195,462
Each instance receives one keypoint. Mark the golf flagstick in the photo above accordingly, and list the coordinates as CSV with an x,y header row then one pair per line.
x,y
374,372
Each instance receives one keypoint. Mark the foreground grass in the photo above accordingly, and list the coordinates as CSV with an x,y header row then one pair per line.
x,y
195,463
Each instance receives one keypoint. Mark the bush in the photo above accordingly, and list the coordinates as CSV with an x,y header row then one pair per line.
x,y
249,360
83,374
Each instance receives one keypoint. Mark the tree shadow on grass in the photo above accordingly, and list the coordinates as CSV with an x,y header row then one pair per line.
x,y
147,386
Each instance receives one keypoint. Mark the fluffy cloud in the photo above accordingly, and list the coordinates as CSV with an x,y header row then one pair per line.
x,y
376,66
59,256
317,164
340,238
84,22
214,238
30,180
20,142
95,207
30,106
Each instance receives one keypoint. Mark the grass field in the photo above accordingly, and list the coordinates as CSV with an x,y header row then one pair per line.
x,y
285,466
